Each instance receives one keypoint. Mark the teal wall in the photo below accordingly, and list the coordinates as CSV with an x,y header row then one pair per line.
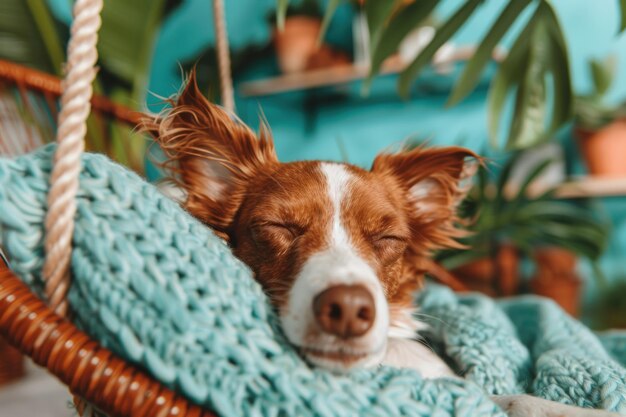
x,y
365,126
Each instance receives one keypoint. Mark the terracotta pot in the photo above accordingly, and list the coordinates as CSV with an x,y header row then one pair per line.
x,y
604,150
556,278
495,276
480,270
507,267
565,292
327,57
296,43
478,276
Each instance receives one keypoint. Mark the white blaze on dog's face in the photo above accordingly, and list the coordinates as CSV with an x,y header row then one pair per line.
x,y
339,266
337,248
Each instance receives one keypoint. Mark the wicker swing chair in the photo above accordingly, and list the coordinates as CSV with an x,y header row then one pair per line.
x,y
98,379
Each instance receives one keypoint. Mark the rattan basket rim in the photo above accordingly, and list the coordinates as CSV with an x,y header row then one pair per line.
x,y
89,370
35,80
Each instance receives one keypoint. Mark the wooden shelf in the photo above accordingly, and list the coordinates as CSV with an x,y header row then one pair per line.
x,y
593,187
344,74
312,79
581,187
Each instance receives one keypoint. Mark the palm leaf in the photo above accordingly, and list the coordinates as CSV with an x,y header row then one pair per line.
x,y
444,33
558,65
509,73
536,209
534,174
281,13
529,115
504,179
28,35
377,13
602,74
126,40
539,52
328,16
471,75
462,257
400,25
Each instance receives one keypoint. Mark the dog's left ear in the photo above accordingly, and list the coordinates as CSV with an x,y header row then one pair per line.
x,y
210,154
435,181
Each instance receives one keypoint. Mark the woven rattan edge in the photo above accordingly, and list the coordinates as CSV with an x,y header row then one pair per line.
x,y
117,388
47,83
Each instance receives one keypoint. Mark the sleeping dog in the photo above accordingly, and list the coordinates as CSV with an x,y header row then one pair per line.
x,y
338,249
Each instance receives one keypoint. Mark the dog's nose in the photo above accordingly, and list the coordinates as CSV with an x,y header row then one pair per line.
x,y
345,310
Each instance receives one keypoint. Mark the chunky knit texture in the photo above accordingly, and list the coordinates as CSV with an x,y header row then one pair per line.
x,y
161,290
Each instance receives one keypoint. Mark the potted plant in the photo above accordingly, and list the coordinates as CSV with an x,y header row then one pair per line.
x,y
539,52
296,34
555,277
507,225
601,127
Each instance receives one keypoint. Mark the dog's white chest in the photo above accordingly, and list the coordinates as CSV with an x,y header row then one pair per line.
x,y
406,353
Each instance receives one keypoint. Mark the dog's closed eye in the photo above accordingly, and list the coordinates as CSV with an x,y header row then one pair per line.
x,y
274,232
389,247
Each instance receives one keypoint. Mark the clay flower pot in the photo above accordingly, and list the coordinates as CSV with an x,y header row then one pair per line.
x,y
604,150
507,266
481,270
497,275
478,275
556,278
296,43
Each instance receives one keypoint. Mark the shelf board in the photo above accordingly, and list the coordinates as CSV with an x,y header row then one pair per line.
x,y
592,187
578,187
344,74
325,77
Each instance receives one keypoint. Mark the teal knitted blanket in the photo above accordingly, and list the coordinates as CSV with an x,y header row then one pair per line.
x,y
161,290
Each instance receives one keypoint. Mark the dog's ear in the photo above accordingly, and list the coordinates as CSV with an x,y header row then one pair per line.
x,y
434,181
210,153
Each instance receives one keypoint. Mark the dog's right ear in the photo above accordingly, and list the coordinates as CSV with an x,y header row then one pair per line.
x,y
210,153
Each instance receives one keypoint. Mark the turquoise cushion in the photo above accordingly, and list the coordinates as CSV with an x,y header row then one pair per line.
x,y
161,290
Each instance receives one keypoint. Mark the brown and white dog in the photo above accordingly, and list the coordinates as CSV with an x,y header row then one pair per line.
x,y
337,248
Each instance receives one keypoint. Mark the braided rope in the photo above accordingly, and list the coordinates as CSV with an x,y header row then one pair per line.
x,y
223,56
75,108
